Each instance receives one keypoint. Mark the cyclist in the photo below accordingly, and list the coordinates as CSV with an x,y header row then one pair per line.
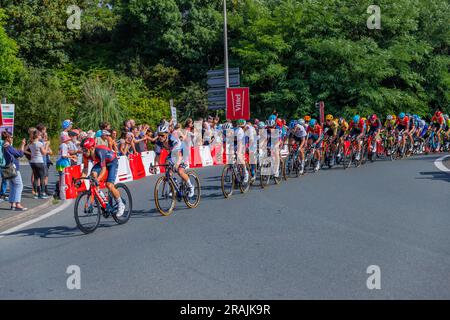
x,y
374,131
437,125
330,129
173,146
307,120
106,165
273,145
357,127
315,140
403,125
240,145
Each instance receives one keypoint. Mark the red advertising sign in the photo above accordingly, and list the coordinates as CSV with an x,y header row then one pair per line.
x,y
238,103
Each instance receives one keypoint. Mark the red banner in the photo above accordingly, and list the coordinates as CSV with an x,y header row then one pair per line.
x,y
238,103
322,112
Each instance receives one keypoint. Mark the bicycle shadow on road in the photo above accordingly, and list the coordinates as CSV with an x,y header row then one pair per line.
x,y
435,175
48,232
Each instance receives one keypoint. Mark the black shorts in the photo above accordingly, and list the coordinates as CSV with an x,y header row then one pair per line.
x,y
355,132
401,127
298,140
436,125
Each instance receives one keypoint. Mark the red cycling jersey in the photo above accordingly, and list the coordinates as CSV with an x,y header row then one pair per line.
x,y
403,122
359,126
316,130
439,120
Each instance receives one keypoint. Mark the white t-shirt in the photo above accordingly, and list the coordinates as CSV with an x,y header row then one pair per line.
x,y
63,151
36,154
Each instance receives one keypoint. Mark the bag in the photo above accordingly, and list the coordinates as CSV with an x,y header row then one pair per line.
x,y
9,171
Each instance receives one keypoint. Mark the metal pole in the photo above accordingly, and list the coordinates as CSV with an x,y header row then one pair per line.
x,y
225,42
225,58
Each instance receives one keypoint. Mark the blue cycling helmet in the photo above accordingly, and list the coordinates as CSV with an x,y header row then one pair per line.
x,y
261,125
292,124
270,122
273,117
356,119
312,122
401,115
98,133
66,124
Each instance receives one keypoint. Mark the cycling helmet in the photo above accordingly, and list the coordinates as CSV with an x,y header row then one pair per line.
x,y
273,117
163,128
261,124
364,119
88,143
356,119
270,123
292,124
98,133
329,117
389,117
227,125
279,122
341,121
438,113
307,118
312,122
302,122
66,124
446,116
241,123
394,117
373,118
401,115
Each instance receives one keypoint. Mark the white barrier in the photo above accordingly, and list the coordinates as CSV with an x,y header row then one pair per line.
x,y
124,173
148,159
205,154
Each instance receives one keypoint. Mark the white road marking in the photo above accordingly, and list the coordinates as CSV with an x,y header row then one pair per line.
x,y
45,216
438,163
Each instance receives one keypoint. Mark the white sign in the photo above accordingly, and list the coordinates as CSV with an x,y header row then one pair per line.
x,y
173,111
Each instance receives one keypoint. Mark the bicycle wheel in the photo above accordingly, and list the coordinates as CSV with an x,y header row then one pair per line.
x,y
348,157
87,212
164,196
227,181
265,172
193,201
127,200
244,187
288,166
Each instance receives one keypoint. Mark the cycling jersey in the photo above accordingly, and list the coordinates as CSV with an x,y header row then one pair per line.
x,y
103,156
360,126
402,124
389,124
344,126
299,131
332,127
315,131
171,144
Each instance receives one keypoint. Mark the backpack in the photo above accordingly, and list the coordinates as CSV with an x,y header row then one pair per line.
x,y
2,158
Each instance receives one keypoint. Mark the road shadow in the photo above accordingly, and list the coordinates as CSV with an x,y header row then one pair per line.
x,y
49,232
435,175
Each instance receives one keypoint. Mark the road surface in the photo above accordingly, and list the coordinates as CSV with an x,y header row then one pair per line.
x,y
308,238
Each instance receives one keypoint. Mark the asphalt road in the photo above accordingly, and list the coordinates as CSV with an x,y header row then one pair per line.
x,y
308,238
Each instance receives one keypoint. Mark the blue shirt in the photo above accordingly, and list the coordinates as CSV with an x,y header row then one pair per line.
x,y
11,154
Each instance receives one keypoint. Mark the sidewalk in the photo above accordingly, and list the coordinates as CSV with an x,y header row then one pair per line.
x,y
36,207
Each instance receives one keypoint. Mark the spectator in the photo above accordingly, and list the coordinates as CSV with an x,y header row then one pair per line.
x,y
74,147
113,141
38,151
27,154
139,140
126,144
47,161
103,139
63,161
66,126
11,155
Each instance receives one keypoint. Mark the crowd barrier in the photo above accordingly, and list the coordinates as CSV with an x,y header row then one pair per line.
x,y
136,167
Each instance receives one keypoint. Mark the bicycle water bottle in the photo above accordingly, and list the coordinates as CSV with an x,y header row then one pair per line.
x,y
102,195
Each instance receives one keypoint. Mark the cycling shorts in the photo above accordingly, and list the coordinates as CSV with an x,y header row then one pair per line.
x,y
112,167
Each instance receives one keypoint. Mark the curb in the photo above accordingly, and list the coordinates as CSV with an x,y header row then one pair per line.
x,y
439,164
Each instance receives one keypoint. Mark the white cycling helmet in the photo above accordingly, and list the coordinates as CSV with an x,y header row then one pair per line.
x,y
163,128
301,122
389,117
270,123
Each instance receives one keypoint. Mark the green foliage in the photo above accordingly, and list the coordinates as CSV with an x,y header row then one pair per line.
x,y
99,103
41,99
10,66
